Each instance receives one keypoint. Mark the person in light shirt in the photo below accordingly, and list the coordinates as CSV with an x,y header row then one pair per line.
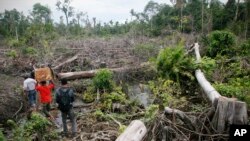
x,y
29,86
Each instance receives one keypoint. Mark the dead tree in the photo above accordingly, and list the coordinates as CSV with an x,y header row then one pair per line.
x,y
65,62
134,132
91,73
227,110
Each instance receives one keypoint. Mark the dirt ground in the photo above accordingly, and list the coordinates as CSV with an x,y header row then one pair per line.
x,y
11,96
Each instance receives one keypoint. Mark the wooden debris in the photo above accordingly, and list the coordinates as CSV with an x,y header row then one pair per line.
x,y
65,62
90,74
134,132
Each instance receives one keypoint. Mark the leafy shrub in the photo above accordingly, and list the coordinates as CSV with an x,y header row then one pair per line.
x,y
2,138
228,90
103,80
172,63
221,42
14,43
117,96
99,115
88,97
150,113
12,54
29,51
244,48
37,124
207,65
166,93
236,87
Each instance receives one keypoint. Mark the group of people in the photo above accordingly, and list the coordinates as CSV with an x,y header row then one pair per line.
x,y
40,98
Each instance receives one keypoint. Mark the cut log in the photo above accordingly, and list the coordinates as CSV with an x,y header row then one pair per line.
x,y
88,74
65,62
228,110
134,132
76,75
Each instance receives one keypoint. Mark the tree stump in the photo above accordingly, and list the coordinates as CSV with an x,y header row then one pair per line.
x,y
229,111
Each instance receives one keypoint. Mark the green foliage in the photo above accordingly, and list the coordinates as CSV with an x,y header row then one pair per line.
x,y
172,63
151,113
244,48
29,51
221,43
99,115
103,80
14,43
12,54
197,107
167,93
38,124
236,87
89,95
229,90
2,138
122,128
117,96
207,65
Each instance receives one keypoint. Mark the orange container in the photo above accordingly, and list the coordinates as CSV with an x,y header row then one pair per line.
x,y
43,74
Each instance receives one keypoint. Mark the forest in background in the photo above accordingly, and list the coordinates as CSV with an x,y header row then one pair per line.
x,y
160,35
193,16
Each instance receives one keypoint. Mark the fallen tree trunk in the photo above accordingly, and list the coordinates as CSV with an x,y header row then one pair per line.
x,y
210,91
228,110
76,75
134,132
91,73
65,62
85,74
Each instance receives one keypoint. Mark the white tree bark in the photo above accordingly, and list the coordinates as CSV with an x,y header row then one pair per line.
x,y
228,110
210,91
134,132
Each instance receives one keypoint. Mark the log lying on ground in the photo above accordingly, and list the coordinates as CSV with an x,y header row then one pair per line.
x,y
65,62
85,74
77,75
91,73
228,110
134,132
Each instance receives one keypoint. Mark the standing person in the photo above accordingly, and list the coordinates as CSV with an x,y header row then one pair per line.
x,y
45,96
29,86
65,98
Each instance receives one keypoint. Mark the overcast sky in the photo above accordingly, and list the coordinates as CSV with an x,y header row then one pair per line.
x,y
103,10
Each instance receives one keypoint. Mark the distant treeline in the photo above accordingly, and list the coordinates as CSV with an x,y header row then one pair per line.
x,y
188,16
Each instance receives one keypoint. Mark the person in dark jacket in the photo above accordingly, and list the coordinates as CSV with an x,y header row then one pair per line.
x,y
65,98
